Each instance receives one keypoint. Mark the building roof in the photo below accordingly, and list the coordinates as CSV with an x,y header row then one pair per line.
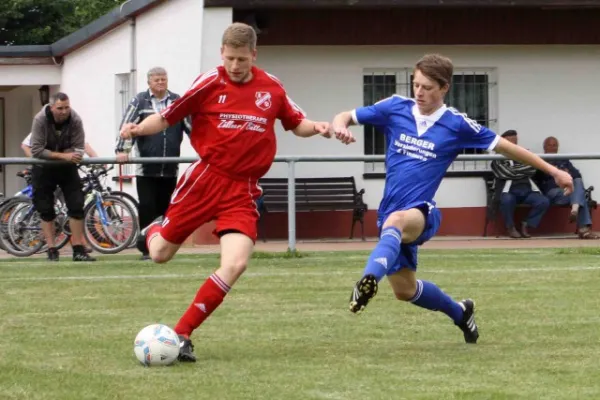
x,y
75,40
249,4
133,8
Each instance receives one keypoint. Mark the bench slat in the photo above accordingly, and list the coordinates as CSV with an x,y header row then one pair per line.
x,y
303,198
267,188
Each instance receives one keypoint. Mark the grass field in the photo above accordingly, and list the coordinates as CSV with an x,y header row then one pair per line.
x,y
284,331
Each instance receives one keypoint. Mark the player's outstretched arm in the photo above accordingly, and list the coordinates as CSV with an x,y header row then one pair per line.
x,y
150,126
308,128
339,127
563,179
343,119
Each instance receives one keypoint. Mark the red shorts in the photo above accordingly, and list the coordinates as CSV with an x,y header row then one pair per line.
x,y
204,194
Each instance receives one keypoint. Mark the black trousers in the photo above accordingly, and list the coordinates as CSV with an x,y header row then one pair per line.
x,y
154,196
45,179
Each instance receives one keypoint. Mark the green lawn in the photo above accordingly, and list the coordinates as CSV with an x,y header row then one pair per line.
x,y
284,332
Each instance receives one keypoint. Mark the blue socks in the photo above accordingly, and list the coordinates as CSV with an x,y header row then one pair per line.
x,y
431,297
428,295
385,253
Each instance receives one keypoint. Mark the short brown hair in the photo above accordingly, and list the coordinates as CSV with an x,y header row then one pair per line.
x,y
437,68
239,35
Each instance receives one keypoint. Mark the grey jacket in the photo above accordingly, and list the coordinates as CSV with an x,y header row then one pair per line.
x,y
45,138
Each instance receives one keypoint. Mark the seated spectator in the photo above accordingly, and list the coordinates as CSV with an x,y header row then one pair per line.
x,y
580,211
514,186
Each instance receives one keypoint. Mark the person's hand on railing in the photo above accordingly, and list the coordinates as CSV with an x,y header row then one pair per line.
x,y
122,157
74,157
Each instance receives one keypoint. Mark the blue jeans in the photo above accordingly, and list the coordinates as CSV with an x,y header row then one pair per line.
x,y
538,202
556,196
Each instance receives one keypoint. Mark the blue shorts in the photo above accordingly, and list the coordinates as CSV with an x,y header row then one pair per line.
x,y
408,251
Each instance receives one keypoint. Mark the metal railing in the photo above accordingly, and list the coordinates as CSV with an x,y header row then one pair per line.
x,y
291,161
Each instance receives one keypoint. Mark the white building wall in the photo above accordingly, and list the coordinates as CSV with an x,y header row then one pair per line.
x,y
168,35
215,21
542,91
89,79
17,75
177,49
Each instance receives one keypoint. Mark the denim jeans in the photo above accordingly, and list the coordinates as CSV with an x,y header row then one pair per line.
x,y
556,196
538,202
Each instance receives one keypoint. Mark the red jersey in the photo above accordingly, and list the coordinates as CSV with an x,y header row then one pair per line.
x,y
233,123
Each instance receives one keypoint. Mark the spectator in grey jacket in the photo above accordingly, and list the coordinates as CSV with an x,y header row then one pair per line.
x,y
155,183
57,134
514,186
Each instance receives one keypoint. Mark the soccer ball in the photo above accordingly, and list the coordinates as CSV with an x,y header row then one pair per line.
x,y
156,344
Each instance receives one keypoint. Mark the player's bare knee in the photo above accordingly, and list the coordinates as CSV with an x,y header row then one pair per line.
x,y
237,267
404,287
397,220
161,255
159,258
405,293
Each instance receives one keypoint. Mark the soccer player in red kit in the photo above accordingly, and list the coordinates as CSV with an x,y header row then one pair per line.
x,y
233,108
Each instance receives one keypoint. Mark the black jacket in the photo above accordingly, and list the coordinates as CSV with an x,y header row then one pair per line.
x,y
164,144
547,182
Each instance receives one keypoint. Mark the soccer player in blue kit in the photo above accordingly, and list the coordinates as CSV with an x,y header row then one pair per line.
x,y
423,138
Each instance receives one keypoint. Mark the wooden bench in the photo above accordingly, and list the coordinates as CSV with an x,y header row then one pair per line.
x,y
314,194
492,204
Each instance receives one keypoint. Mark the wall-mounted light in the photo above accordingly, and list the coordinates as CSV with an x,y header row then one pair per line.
x,y
44,94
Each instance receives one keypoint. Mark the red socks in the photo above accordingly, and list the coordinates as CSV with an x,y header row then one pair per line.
x,y
208,298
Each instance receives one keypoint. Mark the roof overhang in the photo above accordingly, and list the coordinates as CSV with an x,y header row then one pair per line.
x,y
250,4
49,54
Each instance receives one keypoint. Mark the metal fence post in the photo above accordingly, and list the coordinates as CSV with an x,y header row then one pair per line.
x,y
291,206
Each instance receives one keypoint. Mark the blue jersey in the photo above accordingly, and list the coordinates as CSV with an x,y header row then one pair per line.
x,y
420,147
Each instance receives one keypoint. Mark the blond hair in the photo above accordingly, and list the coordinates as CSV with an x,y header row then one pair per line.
x,y
436,67
239,35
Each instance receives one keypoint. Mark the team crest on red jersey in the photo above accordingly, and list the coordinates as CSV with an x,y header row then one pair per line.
x,y
263,100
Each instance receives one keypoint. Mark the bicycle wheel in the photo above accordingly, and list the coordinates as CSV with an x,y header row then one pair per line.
x,y
6,208
135,205
62,232
110,227
126,196
24,230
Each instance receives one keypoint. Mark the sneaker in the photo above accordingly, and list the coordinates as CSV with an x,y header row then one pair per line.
x,y
145,257
141,240
186,350
82,256
468,325
53,254
364,291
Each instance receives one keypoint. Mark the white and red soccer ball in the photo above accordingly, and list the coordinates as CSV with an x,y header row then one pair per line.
x,y
156,344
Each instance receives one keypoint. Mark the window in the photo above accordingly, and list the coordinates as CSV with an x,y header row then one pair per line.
x,y
123,97
472,92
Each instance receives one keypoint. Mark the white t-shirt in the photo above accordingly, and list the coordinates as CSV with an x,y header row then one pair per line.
x,y
27,140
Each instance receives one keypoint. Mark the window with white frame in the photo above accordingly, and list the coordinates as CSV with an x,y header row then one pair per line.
x,y
473,92
123,97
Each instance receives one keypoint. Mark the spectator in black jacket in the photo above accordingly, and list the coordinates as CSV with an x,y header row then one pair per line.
x,y
155,183
580,211
514,186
